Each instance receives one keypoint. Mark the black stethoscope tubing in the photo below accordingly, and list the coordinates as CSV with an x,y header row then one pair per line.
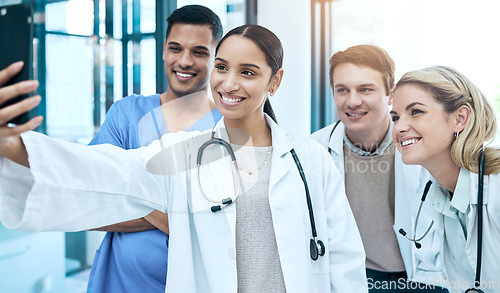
x,y
227,201
416,239
316,246
477,282
330,137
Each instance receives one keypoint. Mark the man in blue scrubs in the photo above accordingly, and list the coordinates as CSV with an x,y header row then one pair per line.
x,y
133,255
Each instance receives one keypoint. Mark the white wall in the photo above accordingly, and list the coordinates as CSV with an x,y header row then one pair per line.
x,y
291,22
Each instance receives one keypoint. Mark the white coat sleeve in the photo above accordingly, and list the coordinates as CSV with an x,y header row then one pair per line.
x,y
347,255
72,187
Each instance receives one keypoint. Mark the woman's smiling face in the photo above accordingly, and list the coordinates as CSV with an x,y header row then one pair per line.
x,y
240,79
423,131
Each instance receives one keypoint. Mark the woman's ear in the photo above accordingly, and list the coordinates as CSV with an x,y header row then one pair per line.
x,y
462,116
276,81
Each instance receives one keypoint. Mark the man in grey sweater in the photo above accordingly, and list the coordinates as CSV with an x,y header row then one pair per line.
x,y
383,193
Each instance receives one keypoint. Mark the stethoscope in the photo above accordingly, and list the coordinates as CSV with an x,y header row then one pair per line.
x,y
416,240
477,282
426,190
316,246
331,134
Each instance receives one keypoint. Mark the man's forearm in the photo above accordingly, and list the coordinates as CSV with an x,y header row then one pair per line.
x,y
155,220
159,220
136,225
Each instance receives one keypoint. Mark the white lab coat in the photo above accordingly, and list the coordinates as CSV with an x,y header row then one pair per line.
x,y
460,275
422,265
73,187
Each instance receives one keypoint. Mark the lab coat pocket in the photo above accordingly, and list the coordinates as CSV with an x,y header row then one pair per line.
x,y
319,270
306,226
320,223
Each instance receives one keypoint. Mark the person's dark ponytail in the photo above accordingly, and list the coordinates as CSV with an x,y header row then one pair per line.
x,y
269,110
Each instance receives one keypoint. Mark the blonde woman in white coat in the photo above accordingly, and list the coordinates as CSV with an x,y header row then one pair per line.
x,y
259,244
442,121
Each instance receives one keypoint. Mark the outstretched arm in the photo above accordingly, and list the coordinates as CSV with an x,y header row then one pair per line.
x,y
72,187
116,130
61,173
13,148
11,144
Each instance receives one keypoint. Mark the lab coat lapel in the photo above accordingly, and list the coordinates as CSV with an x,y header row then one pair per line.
x,y
282,200
281,147
336,144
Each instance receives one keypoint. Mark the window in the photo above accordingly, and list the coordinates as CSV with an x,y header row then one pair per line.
x,y
232,13
418,34
69,68
92,54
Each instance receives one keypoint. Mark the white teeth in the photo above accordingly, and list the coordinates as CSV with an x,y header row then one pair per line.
x,y
184,75
408,142
356,115
231,100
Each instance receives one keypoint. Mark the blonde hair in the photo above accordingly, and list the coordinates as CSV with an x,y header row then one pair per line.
x,y
453,90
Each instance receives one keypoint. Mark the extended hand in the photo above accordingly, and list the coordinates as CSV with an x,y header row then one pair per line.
x,y
7,133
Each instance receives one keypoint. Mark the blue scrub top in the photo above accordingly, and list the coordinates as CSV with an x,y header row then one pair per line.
x,y
135,262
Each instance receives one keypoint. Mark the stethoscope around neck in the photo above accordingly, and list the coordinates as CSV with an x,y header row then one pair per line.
x,y
316,246
414,239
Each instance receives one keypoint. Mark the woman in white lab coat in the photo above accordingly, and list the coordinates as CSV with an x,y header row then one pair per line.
x,y
259,244
441,122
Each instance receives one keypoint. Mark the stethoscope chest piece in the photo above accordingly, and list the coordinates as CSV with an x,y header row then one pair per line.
x,y
317,248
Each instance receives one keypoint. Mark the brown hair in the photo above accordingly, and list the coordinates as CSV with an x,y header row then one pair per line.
x,y
370,56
